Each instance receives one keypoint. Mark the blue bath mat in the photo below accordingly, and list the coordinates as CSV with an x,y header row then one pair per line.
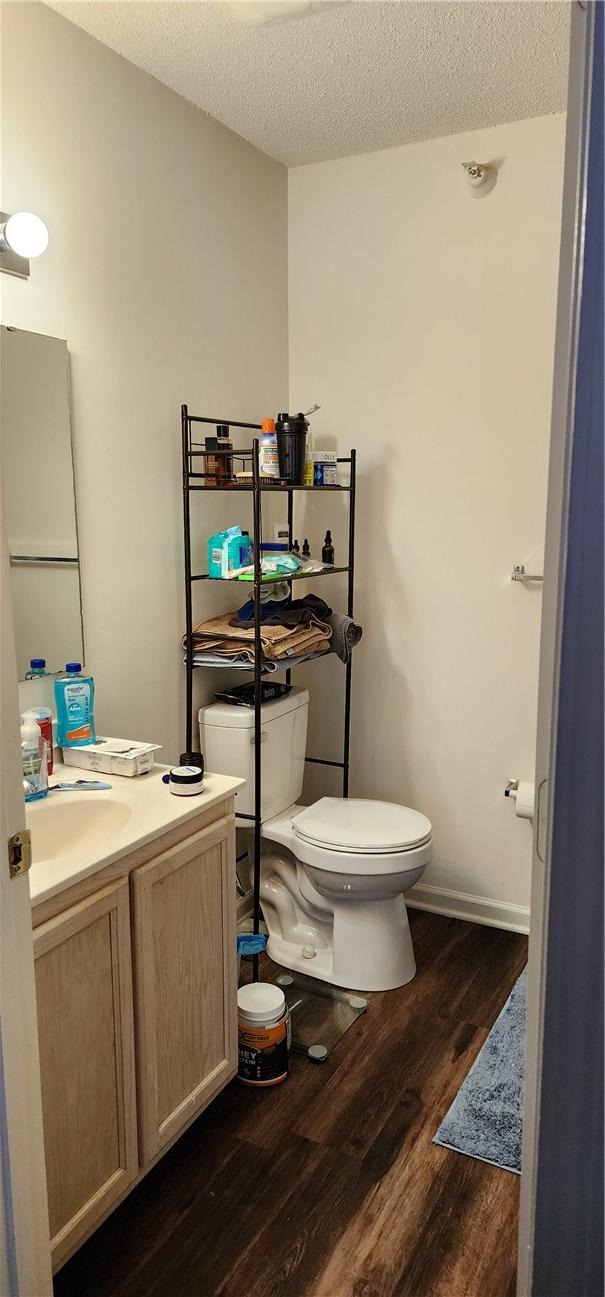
x,y
486,1117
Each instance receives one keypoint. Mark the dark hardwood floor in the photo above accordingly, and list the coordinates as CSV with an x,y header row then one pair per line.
x,y
329,1185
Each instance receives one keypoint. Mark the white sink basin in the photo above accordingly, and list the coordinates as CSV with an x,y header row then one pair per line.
x,y
74,835
66,825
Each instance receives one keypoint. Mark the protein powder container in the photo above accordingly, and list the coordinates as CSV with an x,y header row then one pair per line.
x,y
263,1034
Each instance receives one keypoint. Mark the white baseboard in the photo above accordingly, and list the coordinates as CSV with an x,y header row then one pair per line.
x,y
456,905
475,909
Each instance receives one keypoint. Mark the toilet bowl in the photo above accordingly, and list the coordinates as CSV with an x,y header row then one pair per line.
x,y
333,875
332,881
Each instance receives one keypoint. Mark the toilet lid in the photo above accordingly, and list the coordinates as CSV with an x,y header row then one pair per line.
x,y
353,824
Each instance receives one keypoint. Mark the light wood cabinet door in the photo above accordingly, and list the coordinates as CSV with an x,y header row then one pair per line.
x,y
85,1023
185,981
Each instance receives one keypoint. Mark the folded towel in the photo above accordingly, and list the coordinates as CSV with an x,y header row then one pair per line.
x,y
296,612
238,662
219,636
345,635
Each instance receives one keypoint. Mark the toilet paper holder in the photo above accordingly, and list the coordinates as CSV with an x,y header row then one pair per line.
x,y
522,792
519,574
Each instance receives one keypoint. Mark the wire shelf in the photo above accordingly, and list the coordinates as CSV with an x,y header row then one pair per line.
x,y
194,482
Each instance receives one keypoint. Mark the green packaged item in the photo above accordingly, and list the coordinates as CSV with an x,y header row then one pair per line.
x,y
228,551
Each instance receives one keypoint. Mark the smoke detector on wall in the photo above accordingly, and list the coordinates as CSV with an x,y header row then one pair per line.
x,y
259,13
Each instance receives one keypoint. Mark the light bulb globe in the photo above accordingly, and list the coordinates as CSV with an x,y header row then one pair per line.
x,y
26,234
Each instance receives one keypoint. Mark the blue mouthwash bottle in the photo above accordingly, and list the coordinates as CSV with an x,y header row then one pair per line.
x,y
37,668
74,699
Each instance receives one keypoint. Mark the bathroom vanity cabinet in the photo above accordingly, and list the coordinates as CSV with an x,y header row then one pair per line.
x,y
137,992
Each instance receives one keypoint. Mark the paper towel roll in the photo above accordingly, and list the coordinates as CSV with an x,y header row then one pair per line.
x,y
524,800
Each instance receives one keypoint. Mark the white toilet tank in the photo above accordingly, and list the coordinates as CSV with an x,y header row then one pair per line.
x,y
227,744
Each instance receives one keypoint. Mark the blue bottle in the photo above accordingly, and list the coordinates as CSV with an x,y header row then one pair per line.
x,y
74,699
37,668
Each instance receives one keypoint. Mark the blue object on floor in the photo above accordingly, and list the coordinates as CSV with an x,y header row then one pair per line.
x,y
251,943
486,1117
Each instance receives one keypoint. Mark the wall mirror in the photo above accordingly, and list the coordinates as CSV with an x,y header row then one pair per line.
x,y
38,497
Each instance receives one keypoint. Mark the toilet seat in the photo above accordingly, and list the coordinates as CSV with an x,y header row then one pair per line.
x,y
357,825
371,859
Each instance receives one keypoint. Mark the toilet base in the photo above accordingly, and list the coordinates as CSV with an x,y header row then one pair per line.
x,y
371,948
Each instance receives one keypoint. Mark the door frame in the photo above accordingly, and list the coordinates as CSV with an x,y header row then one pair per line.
x,y
545,958
25,1267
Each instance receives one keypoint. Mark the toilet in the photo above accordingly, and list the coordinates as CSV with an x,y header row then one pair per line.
x,y
334,874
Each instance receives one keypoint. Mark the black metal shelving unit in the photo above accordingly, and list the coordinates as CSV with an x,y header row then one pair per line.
x,y
194,480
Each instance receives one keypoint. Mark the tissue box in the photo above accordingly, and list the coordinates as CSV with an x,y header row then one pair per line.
x,y
113,756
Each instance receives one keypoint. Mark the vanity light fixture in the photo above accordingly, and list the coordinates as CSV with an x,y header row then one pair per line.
x,y
22,236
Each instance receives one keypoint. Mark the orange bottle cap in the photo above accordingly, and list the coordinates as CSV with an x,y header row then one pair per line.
x,y
268,425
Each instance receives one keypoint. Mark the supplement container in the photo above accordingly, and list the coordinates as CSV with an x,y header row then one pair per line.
x,y
268,464
263,1034
186,781
325,468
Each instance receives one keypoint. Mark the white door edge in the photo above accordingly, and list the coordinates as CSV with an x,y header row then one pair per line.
x,y
25,1266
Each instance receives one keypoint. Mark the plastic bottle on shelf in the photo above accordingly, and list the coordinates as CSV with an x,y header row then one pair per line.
x,y
306,551
309,461
219,467
74,698
37,668
268,463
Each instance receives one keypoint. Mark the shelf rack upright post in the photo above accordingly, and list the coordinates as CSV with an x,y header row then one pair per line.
x,y
194,481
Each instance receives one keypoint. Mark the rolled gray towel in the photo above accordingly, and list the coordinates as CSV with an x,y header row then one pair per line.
x,y
345,635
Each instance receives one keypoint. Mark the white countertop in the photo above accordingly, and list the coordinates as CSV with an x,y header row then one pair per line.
x,y
133,813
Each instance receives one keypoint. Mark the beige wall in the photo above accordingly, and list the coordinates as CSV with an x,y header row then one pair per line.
x,y
423,321
166,272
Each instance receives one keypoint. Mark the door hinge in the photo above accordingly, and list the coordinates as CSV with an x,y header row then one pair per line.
x,y
19,853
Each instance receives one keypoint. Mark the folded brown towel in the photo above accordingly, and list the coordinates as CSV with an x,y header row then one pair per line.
x,y
218,635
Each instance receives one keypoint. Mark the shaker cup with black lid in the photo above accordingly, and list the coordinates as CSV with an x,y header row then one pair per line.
x,y
291,432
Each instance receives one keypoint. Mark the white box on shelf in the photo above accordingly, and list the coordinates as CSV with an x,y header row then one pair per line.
x,y
113,756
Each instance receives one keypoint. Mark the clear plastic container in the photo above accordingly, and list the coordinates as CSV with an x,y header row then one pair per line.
x,y
33,760
44,720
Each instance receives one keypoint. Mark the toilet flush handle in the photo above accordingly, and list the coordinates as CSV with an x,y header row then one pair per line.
x,y
264,734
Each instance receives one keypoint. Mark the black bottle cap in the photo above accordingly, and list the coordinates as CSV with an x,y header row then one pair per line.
x,y
222,429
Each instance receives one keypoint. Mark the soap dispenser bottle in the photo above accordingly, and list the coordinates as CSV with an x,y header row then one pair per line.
x,y
33,760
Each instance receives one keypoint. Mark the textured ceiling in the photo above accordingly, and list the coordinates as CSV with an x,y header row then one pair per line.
x,y
366,75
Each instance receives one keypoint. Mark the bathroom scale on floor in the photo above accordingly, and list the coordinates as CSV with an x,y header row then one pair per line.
x,y
320,1014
